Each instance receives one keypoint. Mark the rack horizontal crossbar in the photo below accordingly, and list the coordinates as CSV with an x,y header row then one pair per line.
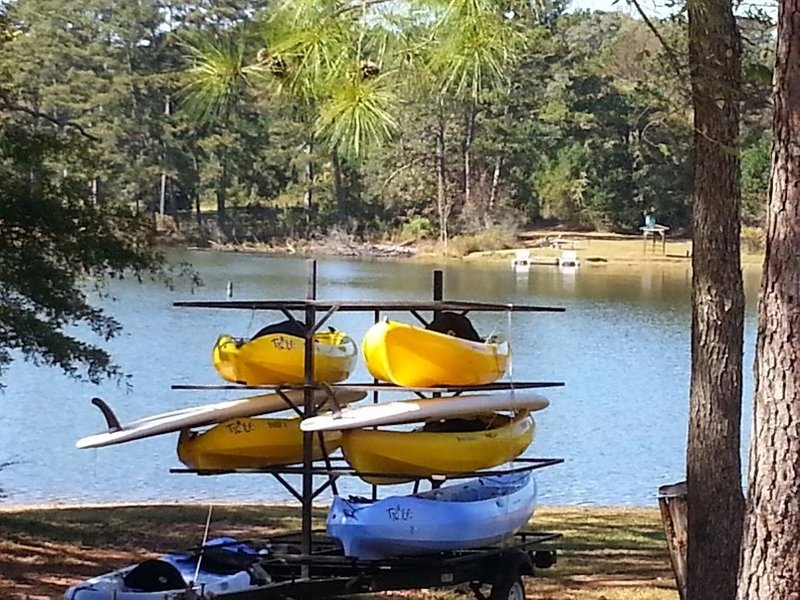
x,y
519,465
364,305
326,551
381,387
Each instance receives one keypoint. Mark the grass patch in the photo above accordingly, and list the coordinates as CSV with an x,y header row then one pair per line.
x,y
491,239
605,248
609,554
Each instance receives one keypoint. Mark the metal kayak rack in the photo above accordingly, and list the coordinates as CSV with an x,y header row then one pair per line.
x,y
309,564
501,567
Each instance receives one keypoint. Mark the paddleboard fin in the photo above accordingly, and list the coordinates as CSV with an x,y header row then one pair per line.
x,y
111,419
331,400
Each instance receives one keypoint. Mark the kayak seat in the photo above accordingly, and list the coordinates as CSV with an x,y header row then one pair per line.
x,y
224,562
359,500
289,327
154,576
454,324
457,425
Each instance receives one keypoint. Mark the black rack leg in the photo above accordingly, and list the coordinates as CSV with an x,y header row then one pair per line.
x,y
308,410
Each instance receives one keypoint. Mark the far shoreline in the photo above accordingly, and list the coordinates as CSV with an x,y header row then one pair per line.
x,y
277,505
543,247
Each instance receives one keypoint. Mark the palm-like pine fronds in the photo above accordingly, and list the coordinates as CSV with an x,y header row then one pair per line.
x,y
333,58
476,45
315,46
217,75
358,114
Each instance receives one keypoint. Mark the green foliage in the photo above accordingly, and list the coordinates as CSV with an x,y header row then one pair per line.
x,y
308,49
57,246
477,45
561,185
358,115
217,74
417,228
753,239
326,113
756,166
495,238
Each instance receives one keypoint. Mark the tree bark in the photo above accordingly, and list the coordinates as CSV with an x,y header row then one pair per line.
x,y
197,209
498,164
308,196
222,193
771,549
338,187
441,178
713,464
469,136
162,200
162,196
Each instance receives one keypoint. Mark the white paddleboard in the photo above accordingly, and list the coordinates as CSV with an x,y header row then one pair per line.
x,y
207,414
415,411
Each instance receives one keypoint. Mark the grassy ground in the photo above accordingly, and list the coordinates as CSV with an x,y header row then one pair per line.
x,y
606,554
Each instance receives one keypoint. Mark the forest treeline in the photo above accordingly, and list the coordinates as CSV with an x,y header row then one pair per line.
x,y
590,126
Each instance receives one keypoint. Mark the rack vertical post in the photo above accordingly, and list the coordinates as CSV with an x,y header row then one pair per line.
x,y
308,410
438,287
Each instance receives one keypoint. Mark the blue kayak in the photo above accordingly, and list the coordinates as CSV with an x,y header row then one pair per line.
x,y
225,566
480,512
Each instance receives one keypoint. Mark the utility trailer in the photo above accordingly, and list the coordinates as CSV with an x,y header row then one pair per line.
x,y
501,567
326,572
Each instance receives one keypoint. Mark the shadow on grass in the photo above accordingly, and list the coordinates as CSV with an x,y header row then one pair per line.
x,y
605,553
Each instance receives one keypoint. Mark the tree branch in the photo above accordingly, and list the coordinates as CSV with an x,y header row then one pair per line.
x,y
9,105
399,170
360,5
673,58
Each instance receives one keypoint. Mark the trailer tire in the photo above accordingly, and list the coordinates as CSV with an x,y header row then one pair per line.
x,y
508,588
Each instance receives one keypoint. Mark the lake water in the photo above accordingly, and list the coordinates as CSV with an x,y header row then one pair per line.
x,y
622,347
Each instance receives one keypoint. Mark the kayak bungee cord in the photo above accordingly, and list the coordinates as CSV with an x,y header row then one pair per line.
x,y
205,539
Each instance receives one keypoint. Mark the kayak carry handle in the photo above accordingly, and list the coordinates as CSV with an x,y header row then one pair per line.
x,y
111,419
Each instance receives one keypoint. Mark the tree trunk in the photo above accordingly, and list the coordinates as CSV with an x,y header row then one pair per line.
x,y
308,197
162,200
222,193
713,464
469,135
338,187
197,209
441,181
771,548
498,165
162,197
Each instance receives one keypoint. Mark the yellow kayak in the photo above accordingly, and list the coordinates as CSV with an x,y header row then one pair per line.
x,y
279,358
412,356
441,448
250,443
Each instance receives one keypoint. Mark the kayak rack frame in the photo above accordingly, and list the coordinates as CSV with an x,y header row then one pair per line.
x,y
518,465
317,566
